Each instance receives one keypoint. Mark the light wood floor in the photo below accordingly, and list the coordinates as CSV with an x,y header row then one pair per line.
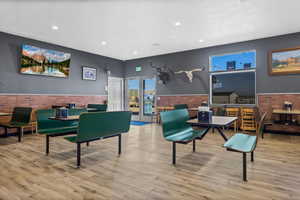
x,y
144,170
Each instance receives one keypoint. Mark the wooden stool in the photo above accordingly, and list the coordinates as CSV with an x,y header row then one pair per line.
x,y
234,112
248,119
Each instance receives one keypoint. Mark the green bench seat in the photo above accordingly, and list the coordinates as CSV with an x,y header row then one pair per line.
x,y
54,128
177,130
100,125
184,135
12,124
73,138
54,131
243,143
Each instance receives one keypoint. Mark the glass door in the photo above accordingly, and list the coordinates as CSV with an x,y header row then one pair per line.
x,y
140,97
148,98
133,97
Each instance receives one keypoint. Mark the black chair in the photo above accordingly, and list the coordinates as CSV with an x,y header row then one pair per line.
x,y
20,118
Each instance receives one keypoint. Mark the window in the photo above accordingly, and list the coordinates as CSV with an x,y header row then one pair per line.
x,y
233,88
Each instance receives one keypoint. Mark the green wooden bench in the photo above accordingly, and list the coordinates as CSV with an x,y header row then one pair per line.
x,y
97,107
243,143
176,130
180,106
100,125
54,128
20,118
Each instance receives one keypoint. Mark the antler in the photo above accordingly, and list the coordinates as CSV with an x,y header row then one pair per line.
x,y
198,70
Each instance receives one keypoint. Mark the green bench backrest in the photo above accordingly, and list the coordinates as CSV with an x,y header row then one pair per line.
x,y
43,121
174,121
21,115
77,111
180,106
99,107
102,124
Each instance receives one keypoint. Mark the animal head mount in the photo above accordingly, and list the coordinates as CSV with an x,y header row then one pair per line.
x,y
162,73
189,74
107,70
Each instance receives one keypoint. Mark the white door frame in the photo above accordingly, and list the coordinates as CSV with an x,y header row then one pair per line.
x,y
140,116
121,106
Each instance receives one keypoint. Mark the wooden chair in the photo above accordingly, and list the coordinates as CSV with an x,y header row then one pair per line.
x,y
233,112
265,124
243,143
248,122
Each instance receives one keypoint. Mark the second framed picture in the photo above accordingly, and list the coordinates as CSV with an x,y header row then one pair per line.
x,y
89,73
284,61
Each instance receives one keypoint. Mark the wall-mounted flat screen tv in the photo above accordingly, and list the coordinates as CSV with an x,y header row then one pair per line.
x,y
38,61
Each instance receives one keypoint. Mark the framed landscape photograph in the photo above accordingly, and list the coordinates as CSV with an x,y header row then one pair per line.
x,y
89,73
38,61
284,61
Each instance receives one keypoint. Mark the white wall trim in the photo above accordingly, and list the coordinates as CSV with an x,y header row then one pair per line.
x,y
168,95
260,94
30,94
161,95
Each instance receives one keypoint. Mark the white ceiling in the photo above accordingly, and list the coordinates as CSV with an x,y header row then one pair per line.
x,y
147,26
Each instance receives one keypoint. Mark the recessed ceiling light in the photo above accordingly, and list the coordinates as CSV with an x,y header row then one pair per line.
x,y
135,52
104,43
201,40
177,23
54,27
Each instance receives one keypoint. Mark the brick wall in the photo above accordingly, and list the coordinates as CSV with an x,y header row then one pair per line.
x,y
192,100
8,102
267,102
